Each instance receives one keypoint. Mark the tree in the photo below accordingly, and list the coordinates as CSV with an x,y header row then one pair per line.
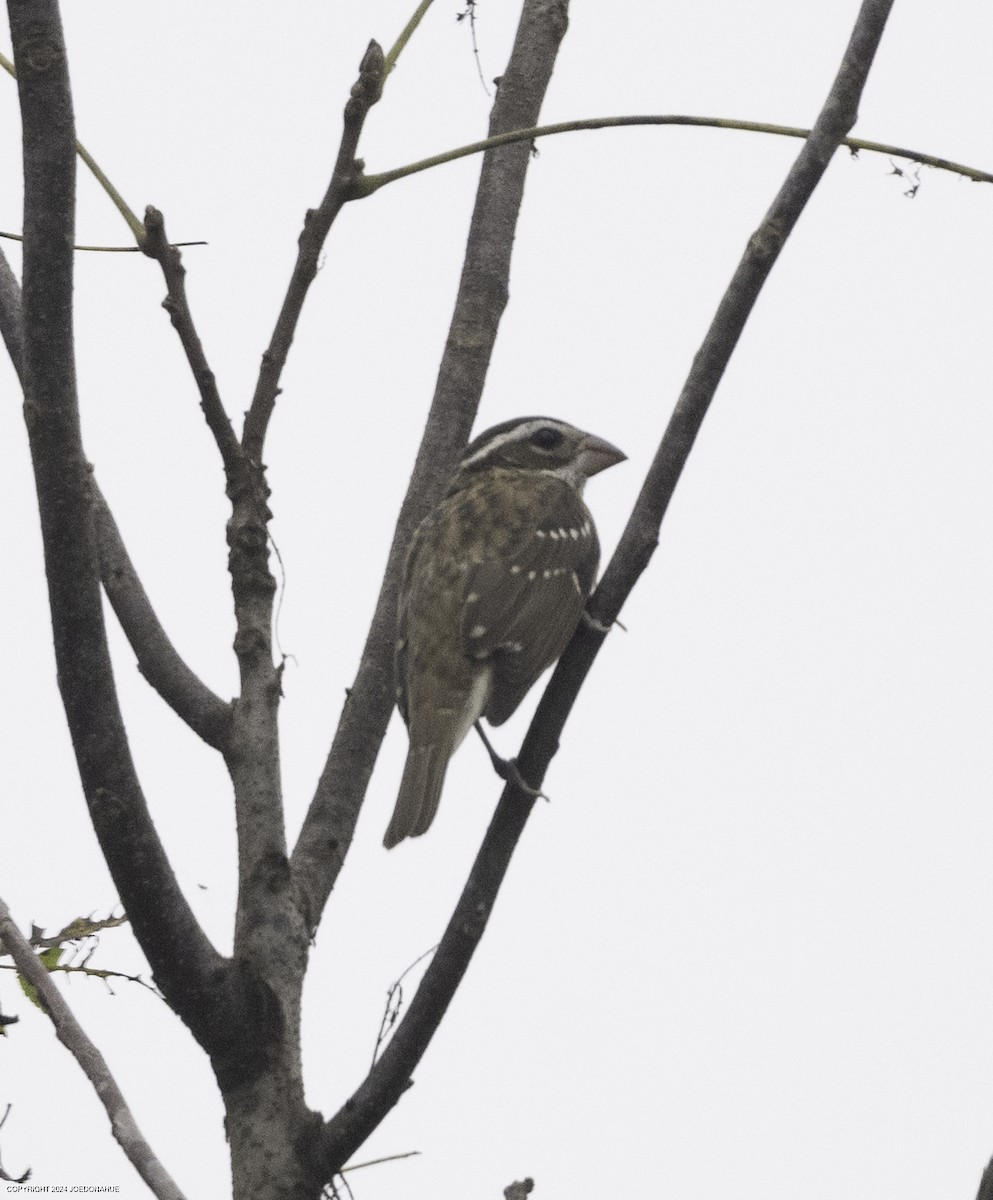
x,y
195,990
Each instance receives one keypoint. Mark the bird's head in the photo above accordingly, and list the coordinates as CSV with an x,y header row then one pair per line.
x,y
538,444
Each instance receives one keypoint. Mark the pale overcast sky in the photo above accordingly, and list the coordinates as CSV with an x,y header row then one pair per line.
x,y
746,949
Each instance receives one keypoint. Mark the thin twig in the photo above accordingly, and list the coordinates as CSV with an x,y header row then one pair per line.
x,y
103,973
344,179
470,12
375,1162
391,1074
17,237
72,1036
118,200
4,1174
394,1002
157,246
371,183
406,33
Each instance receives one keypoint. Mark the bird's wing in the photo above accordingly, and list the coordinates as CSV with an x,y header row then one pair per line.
x,y
522,607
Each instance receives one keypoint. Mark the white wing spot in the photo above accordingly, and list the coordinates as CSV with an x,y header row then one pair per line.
x,y
515,569
563,533
532,574
477,631
400,643
574,534
575,580
472,598
553,534
539,533
586,529
546,574
512,647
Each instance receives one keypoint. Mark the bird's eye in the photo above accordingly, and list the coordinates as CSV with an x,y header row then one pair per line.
x,y
546,438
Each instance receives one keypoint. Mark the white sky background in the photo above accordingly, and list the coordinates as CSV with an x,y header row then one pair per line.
x,y
746,949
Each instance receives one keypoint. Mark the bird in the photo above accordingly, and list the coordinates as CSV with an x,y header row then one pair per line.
x,y
495,582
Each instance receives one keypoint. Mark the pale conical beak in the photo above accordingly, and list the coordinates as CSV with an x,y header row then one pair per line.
x,y
597,455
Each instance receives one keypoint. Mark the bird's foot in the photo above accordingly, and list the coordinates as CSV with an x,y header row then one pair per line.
x,y
589,620
508,770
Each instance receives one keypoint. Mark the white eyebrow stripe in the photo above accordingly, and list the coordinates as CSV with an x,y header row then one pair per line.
x,y
519,433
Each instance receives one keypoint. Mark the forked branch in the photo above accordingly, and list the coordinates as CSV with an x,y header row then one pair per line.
x,y
186,966
391,1074
204,711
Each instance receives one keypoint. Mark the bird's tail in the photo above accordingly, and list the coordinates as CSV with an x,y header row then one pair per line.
x,y
420,791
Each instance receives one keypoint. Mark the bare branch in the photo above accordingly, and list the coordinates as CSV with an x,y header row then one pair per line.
x,y
205,712
347,171
391,1075
482,296
372,183
71,1035
186,966
156,246
835,120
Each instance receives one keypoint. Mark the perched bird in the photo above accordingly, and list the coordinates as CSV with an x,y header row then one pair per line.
x,y
495,582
